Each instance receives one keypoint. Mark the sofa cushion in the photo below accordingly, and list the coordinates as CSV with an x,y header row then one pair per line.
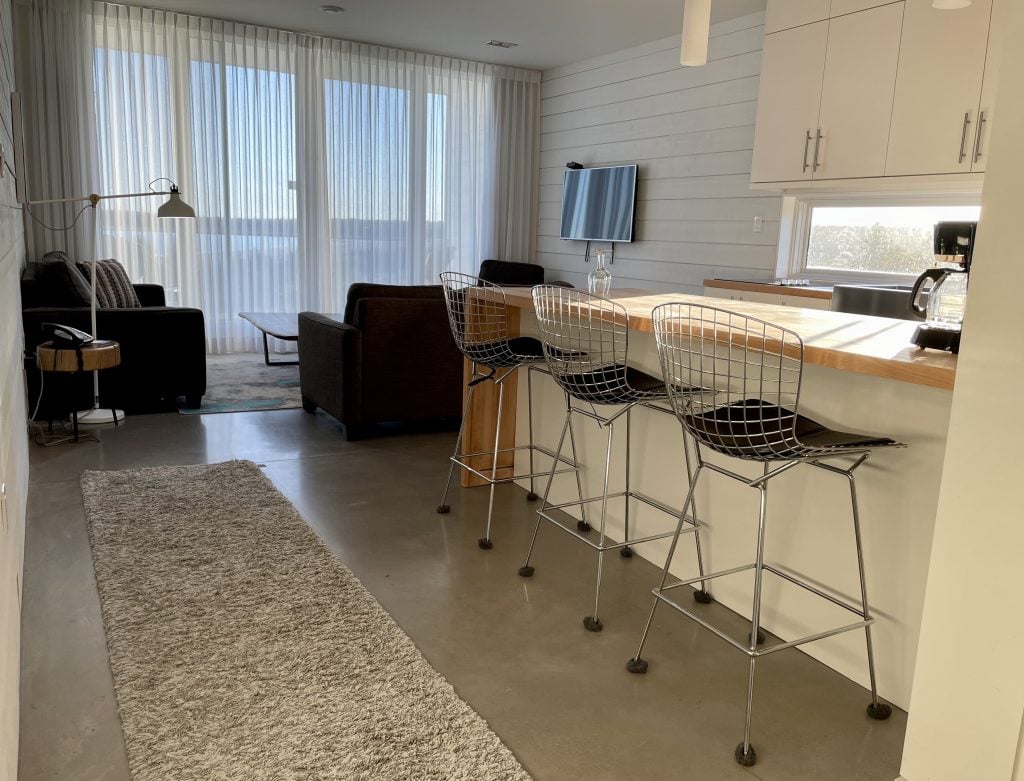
x,y
56,282
113,288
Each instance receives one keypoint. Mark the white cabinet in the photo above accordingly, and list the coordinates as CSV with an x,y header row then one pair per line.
x,y
986,110
826,98
788,102
857,93
784,14
941,68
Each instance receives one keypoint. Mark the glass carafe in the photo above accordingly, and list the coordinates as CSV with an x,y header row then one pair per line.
x,y
947,298
599,281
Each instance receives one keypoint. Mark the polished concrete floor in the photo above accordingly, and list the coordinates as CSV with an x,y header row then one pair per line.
x,y
558,695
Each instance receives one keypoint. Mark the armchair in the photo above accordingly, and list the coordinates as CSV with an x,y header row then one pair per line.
x,y
392,359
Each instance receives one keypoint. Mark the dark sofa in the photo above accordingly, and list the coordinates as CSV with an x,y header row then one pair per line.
x,y
163,353
392,359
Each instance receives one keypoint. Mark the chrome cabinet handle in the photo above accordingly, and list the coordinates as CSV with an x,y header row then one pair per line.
x,y
817,146
807,146
963,136
977,137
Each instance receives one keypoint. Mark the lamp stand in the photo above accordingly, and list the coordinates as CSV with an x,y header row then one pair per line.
x,y
96,416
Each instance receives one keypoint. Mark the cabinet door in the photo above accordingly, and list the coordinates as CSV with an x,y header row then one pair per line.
x,y
857,93
942,61
783,14
787,105
986,111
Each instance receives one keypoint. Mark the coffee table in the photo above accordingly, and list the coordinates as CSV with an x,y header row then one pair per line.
x,y
280,325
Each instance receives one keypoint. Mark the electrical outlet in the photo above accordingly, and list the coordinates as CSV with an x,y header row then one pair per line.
x,y
758,223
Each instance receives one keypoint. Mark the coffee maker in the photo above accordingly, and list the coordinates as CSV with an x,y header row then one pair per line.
x,y
947,297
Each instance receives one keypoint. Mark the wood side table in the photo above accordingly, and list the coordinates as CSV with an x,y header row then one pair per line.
x,y
95,356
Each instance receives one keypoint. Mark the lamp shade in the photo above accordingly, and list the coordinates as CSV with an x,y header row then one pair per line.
x,y
696,31
175,207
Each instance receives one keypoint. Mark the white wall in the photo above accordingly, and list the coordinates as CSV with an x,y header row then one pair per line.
x,y
968,693
13,442
692,132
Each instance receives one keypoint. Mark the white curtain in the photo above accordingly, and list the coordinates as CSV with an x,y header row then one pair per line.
x,y
311,162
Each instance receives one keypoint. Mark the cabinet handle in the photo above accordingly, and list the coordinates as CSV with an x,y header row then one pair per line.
x,y
977,137
963,136
807,146
817,146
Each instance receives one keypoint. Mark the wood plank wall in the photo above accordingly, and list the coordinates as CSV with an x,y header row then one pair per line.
x,y
13,441
692,132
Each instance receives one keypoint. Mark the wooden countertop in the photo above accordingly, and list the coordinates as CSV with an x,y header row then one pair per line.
x,y
877,346
778,290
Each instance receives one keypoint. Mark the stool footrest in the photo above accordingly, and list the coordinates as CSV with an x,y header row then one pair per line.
x,y
460,461
608,545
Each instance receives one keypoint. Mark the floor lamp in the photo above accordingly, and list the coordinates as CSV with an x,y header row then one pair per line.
x,y
174,208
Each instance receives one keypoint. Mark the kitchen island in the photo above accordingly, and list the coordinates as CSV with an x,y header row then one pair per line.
x,y
860,374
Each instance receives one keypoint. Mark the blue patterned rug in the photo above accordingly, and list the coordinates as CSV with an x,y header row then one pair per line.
x,y
243,383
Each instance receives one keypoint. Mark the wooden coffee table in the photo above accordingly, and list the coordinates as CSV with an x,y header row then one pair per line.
x,y
280,325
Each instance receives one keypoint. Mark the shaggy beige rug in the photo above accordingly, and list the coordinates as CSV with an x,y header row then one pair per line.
x,y
243,649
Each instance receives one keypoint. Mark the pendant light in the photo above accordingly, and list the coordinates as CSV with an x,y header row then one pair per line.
x,y
950,5
696,31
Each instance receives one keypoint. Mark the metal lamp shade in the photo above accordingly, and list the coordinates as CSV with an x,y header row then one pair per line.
x,y
696,31
175,207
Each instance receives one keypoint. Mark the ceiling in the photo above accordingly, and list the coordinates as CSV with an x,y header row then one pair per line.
x,y
549,32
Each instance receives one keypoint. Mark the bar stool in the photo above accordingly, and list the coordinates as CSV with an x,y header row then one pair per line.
x,y
478,315
747,376
585,342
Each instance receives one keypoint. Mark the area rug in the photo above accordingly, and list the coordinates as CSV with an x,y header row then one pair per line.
x,y
242,382
241,648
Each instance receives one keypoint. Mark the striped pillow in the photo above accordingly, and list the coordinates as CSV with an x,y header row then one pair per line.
x,y
113,288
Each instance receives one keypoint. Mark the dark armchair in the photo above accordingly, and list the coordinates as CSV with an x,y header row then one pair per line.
x,y
392,359
163,353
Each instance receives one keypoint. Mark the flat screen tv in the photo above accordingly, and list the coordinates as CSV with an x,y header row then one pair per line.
x,y
598,204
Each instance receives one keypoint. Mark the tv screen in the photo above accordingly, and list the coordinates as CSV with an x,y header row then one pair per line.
x,y
598,203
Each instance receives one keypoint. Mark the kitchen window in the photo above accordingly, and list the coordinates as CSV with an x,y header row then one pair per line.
x,y
866,237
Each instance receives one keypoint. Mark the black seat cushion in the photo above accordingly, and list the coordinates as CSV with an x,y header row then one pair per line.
x,y
506,353
755,429
620,384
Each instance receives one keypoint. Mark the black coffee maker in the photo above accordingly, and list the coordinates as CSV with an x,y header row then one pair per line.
x,y
947,297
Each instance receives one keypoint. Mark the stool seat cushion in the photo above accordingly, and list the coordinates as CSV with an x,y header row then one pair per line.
x,y
506,353
758,430
621,384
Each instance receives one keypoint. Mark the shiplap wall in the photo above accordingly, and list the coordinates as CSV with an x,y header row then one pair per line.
x,y
13,441
692,132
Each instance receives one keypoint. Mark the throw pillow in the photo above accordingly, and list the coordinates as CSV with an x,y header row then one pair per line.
x,y
113,288
58,282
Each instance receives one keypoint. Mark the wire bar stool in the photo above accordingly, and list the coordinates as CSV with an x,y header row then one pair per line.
x,y
744,378
585,340
478,315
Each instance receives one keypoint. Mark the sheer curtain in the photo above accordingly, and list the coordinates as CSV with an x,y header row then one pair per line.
x,y
312,162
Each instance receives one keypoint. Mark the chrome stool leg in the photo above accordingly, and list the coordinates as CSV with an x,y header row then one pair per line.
x,y
745,753
582,525
626,552
443,508
593,622
702,595
526,570
876,709
485,541
638,664
532,495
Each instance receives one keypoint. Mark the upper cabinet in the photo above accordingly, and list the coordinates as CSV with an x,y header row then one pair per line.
x,y
784,14
787,108
826,97
875,89
938,89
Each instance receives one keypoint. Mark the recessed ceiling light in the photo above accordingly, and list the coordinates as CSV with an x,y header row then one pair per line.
x,y
500,44
331,9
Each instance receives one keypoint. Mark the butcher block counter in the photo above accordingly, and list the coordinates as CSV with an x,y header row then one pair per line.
x,y
878,346
860,374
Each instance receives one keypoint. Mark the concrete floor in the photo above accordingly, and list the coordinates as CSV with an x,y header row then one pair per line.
x,y
558,695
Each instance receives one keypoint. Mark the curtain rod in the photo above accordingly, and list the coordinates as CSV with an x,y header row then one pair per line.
x,y
529,73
